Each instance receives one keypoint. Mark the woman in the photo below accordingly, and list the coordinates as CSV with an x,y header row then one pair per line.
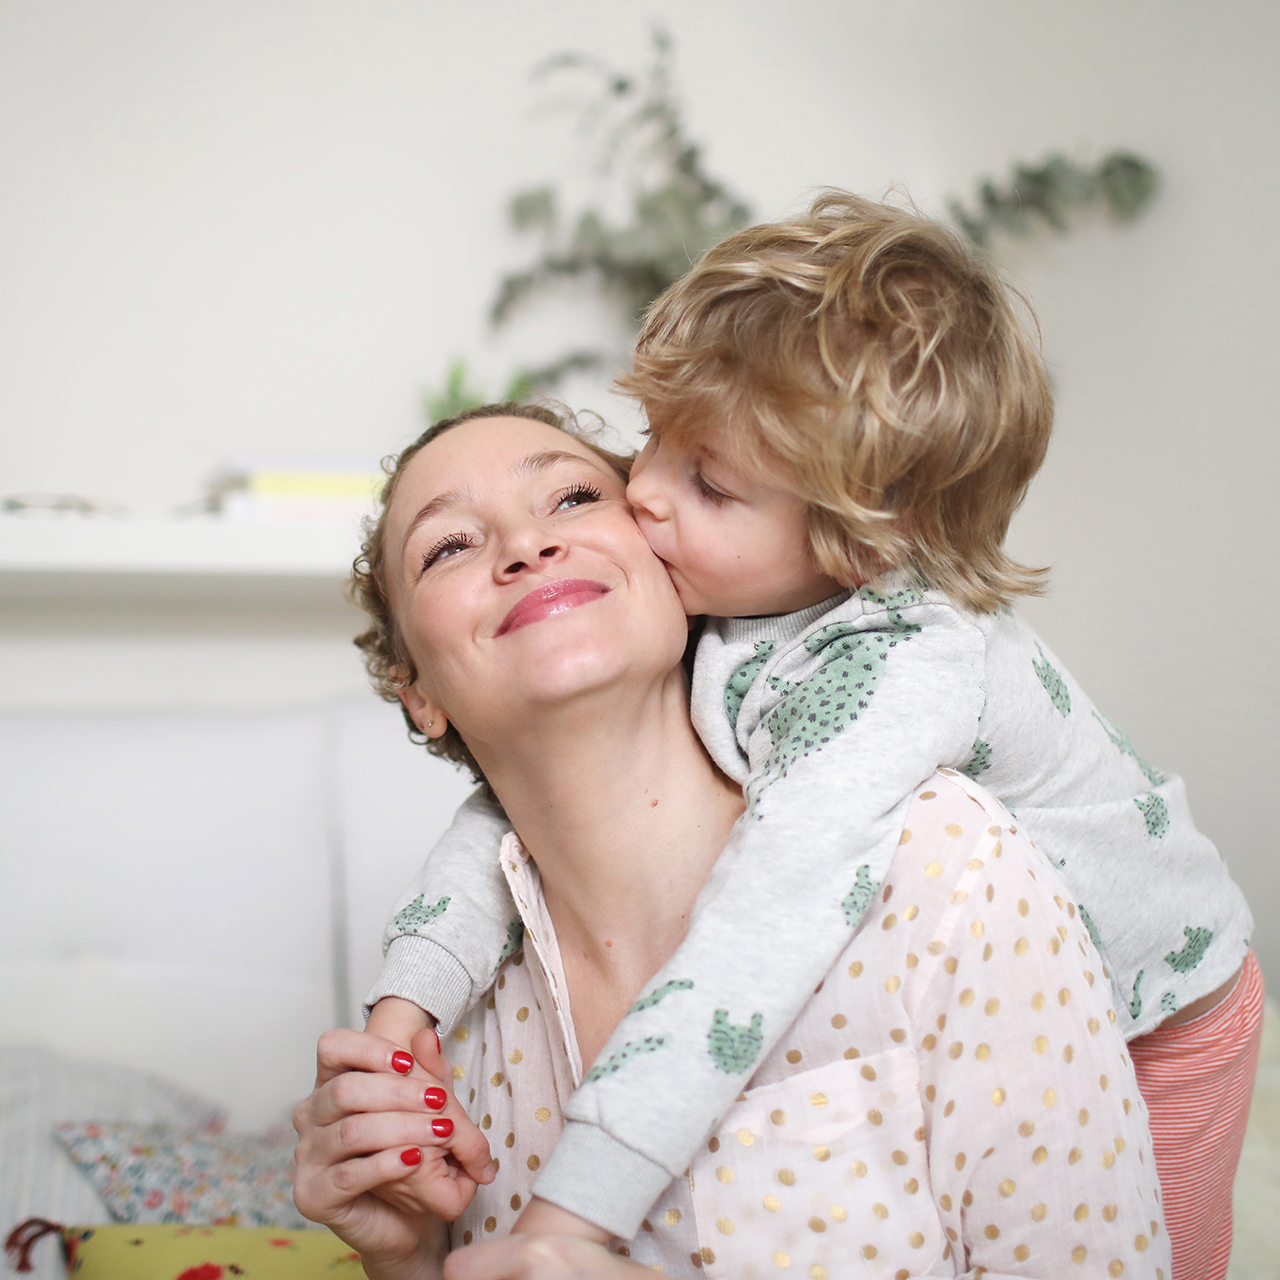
x,y
952,1100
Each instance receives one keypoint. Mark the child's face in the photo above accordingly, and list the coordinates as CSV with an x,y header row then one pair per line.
x,y
734,544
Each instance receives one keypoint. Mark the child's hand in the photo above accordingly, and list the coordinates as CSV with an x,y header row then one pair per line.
x,y
397,1020
541,1217
458,1159
529,1257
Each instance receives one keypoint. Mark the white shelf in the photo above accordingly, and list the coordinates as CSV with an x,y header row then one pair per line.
x,y
195,548
87,572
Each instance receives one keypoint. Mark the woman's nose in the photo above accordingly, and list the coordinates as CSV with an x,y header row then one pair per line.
x,y
528,548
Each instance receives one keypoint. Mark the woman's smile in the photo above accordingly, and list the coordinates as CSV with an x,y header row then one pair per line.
x,y
549,600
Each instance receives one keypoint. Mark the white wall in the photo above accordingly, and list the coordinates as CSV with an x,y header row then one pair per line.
x,y
267,226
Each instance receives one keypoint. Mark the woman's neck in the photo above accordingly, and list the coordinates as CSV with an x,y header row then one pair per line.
x,y
624,814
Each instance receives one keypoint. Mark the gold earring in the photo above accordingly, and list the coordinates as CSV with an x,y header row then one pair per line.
x,y
430,723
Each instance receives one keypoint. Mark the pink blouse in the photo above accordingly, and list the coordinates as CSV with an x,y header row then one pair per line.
x,y
954,1100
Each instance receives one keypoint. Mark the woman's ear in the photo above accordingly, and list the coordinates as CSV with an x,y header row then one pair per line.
x,y
422,710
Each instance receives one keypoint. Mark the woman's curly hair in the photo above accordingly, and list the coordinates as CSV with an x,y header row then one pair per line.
x,y
385,657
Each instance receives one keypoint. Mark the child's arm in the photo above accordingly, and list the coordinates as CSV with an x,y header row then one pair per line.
x,y
456,923
541,1217
851,717
398,1021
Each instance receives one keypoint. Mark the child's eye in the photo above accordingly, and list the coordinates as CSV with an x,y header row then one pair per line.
x,y
576,496
710,492
446,547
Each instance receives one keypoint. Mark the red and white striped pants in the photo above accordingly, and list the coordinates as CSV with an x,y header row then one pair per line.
x,y
1197,1079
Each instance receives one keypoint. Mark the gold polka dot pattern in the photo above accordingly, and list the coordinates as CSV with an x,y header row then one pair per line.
x,y
910,1120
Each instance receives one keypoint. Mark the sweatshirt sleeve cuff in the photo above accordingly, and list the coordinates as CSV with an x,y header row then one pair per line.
x,y
597,1177
425,973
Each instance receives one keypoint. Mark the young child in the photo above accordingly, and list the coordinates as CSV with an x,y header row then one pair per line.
x,y
845,412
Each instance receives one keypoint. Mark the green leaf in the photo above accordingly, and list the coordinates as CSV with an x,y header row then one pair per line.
x,y
1128,182
535,207
455,396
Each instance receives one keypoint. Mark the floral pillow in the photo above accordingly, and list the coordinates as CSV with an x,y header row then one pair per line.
x,y
37,1176
162,1173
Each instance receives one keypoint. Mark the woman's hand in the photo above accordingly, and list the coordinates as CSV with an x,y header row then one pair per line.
x,y
458,1158
539,1257
366,1127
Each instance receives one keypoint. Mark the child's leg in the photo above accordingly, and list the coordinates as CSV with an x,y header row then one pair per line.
x,y
1197,1079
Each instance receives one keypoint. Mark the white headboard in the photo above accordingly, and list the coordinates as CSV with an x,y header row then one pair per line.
x,y
201,894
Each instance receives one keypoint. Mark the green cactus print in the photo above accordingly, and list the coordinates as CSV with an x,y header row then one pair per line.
x,y
979,760
1135,1005
416,914
1093,928
740,681
733,1047
1168,1003
1197,944
515,936
658,995
1121,741
1155,814
860,897
903,599
824,705
628,1053
1054,685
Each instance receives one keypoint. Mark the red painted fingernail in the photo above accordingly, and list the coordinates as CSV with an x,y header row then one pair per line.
x,y
435,1033
402,1062
412,1156
442,1128
435,1099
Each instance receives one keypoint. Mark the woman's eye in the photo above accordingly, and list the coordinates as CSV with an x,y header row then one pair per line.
x,y
446,547
578,496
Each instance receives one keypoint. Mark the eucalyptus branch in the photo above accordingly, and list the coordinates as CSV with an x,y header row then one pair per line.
x,y
645,163
1051,192
677,210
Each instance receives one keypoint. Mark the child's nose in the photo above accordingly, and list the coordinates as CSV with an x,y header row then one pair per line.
x,y
645,490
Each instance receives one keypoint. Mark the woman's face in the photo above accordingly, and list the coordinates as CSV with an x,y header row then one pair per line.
x,y
518,577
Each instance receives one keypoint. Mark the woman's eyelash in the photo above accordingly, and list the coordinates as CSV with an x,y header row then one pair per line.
x,y
582,492
451,542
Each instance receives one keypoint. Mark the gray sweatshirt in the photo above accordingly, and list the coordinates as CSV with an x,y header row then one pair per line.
x,y
830,719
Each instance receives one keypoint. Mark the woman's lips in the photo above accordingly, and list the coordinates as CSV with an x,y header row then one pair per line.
x,y
555,597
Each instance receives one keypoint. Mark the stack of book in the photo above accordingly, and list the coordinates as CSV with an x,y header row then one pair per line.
x,y
334,489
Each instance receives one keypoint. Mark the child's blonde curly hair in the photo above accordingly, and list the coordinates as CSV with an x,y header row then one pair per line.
x,y
877,367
